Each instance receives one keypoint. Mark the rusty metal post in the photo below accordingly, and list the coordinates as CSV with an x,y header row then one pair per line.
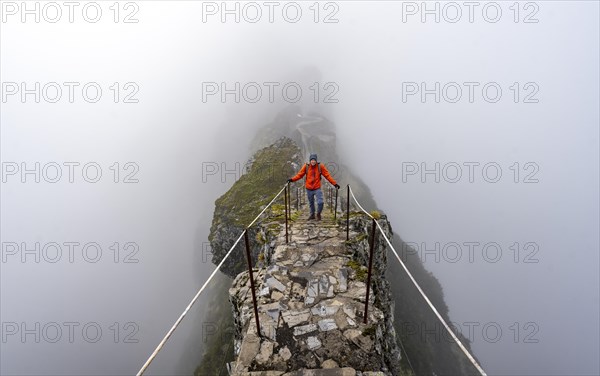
x,y
289,192
348,214
251,281
371,246
297,198
335,210
290,201
286,212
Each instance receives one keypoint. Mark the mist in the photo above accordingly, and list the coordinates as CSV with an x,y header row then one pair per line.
x,y
516,170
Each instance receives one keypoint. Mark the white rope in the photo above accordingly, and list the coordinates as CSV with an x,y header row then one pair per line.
x,y
184,313
170,332
274,198
462,347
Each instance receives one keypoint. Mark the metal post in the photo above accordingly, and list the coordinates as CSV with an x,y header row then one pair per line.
x,y
335,210
289,192
251,281
371,246
348,214
297,198
286,212
290,202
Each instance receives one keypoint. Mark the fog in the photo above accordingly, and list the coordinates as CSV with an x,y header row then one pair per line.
x,y
369,66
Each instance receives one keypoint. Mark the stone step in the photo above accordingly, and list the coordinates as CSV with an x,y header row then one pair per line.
x,y
323,215
315,223
323,218
346,371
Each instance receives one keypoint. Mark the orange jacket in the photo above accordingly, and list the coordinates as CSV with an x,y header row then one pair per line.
x,y
313,180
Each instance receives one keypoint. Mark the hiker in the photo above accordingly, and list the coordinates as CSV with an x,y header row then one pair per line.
x,y
313,183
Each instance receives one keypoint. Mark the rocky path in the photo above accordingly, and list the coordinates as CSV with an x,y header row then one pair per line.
x,y
311,304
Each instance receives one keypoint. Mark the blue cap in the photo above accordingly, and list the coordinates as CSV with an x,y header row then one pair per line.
x,y
313,156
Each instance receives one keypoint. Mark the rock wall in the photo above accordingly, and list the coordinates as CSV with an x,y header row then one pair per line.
x,y
268,170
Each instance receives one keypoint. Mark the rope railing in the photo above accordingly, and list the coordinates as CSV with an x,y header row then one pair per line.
x,y
195,298
458,342
287,203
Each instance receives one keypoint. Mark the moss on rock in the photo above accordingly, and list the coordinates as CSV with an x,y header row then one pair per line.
x,y
269,170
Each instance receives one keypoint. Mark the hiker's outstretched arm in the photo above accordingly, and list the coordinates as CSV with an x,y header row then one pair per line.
x,y
300,173
327,175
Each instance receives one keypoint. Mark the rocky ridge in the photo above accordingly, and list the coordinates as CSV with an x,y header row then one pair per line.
x,y
311,300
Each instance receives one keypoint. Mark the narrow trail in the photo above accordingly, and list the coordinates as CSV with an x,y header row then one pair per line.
x,y
310,307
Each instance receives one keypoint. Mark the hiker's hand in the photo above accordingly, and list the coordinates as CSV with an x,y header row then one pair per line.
x,y
289,180
337,186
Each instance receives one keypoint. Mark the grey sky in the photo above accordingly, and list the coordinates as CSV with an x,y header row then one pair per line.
x,y
368,55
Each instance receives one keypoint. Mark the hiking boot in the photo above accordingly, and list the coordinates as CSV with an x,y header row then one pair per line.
x,y
318,216
312,216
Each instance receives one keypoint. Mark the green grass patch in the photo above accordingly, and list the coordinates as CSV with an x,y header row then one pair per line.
x,y
252,191
361,271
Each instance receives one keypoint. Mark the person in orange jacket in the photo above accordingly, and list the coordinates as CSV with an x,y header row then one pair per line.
x,y
313,174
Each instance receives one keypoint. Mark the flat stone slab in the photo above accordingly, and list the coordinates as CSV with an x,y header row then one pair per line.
x,y
304,329
323,285
329,363
264,291
313,288
274,283
342,277
313,343
308,259
293,318
266,350
285,353
326,308
346,371
249,349
326,325
349,311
